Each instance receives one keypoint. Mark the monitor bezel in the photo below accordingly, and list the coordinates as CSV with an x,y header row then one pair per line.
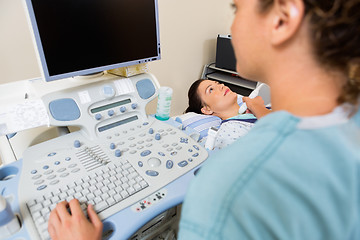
x,y
41,55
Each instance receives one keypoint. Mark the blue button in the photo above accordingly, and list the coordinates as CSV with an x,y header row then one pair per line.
x,y
98,116
41,187
145,153
122,109
33,171
117,153
46,167
68,159
112,146
108,91
173,153
196,147
190,159
195,155
134,106
145,123
77,144
183,163
140,163
190,150
151,131
169,164
157,136
111,113
152,173
64,109
51,154
57,163
161,154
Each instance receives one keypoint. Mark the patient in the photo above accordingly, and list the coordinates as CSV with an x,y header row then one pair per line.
x,y
212,98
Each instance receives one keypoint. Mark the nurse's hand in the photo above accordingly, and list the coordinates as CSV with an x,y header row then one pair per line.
x,y
256,106
63,226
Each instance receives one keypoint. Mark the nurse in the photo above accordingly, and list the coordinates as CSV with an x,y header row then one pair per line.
x,y
296,174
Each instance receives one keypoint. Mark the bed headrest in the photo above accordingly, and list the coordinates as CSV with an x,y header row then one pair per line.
x,y
199,122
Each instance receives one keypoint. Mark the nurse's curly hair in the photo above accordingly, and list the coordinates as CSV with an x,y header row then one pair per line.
x,y
335,32
195,103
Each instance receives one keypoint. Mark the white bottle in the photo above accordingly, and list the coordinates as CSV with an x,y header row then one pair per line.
x,y
164,103
9,223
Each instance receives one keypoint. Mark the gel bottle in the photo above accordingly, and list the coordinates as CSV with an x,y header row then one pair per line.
x,y
164,103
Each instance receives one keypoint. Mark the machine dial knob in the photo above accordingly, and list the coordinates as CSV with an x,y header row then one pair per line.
x,y
77,144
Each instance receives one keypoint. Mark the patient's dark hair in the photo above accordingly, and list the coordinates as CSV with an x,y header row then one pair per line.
x,y
335,32
195,103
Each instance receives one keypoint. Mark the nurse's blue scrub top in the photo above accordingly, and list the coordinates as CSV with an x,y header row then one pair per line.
x,y
288,178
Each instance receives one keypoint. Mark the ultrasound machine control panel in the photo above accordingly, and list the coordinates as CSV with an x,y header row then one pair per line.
x,y
129,165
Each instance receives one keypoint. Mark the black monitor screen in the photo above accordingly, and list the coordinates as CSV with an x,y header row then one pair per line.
x,y
77,37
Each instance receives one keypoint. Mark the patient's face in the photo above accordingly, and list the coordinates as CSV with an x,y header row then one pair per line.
x,y
216,96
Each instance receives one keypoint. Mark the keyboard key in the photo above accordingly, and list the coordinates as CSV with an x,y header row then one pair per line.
x,y
31,203
90,196
36,208
137,187
44,211
46,203
112,192
118,197
105,189
40,221
100,206
110,201
77,195
124,194
144,184
36,215
105,196
97,199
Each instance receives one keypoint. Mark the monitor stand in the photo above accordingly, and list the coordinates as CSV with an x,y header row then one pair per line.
x,y
90,76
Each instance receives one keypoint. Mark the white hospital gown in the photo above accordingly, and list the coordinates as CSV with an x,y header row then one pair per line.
x,y
230,131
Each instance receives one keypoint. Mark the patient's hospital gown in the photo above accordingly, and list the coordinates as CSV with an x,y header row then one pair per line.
x,y
233,129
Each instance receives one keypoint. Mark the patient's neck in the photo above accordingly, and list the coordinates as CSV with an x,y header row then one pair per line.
x,y
229,112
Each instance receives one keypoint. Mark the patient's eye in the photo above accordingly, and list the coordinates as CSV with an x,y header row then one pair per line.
x,y
211,89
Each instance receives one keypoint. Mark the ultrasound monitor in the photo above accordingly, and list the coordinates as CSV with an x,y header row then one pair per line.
x,y
87,36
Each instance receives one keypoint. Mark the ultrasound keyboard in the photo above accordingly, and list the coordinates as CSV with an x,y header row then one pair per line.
x,y
114,162
102,189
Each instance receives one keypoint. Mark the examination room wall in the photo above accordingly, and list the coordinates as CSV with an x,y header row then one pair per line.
x,y
188,31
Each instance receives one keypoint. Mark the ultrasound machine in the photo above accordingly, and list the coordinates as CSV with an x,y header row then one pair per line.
x,y
132,167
